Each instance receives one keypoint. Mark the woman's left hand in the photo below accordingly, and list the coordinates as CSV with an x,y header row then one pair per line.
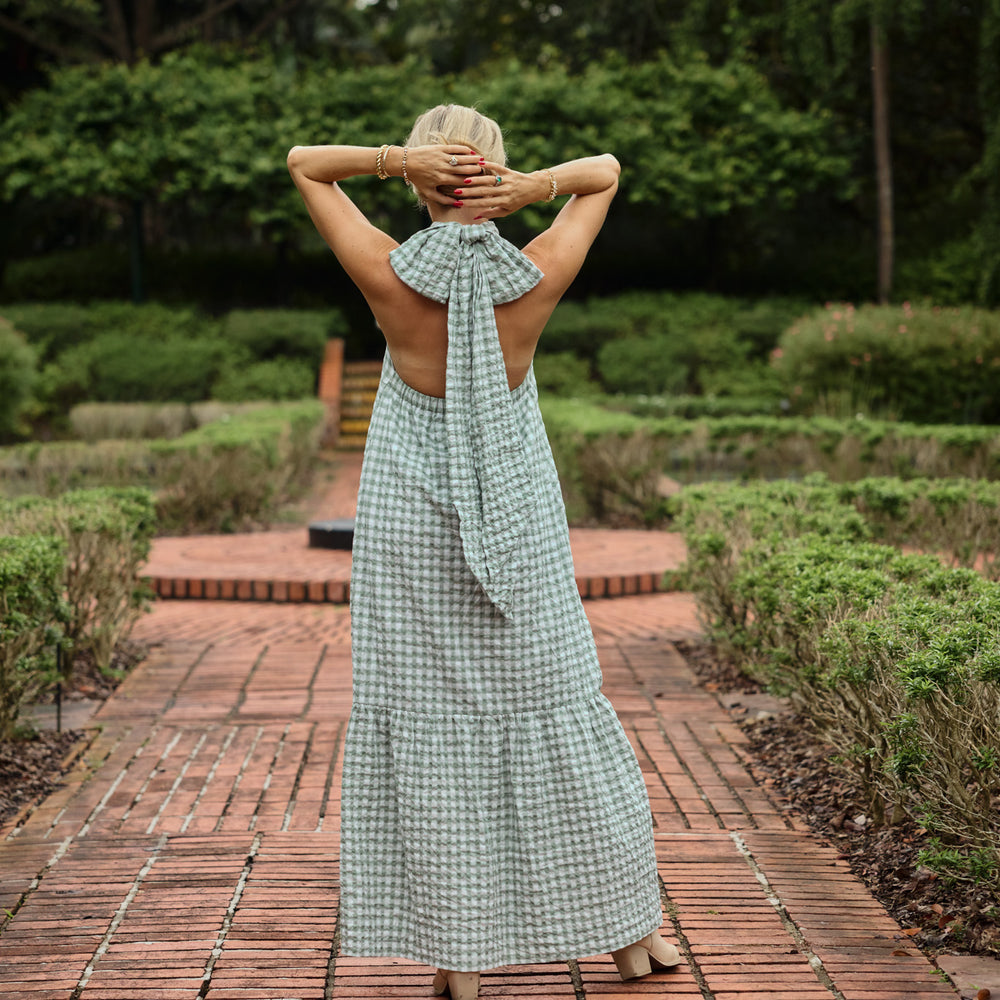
x,y
502,191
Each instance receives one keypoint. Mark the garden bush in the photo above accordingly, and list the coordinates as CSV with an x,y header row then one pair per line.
x,y
668,342
105,535
611,463
282,378
893,658
123,367
957,519
227,475
221,476
919,363
564,374
17,378
32,570
270,334
124,421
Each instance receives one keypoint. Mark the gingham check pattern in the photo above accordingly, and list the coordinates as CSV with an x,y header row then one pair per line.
x,y
493,810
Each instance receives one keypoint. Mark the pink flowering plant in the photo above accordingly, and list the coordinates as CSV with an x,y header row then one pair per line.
x,y
911,362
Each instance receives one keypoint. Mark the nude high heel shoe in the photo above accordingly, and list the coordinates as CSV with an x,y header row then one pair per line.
x,y
641,958
458,985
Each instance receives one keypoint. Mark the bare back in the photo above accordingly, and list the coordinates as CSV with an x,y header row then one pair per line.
x,y
416,332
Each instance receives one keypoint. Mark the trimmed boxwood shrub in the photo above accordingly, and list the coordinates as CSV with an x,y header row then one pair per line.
x,y
611,463
32,609
106,535
281,378
893,658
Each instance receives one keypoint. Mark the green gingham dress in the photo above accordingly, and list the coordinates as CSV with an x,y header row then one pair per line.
x,y
493,810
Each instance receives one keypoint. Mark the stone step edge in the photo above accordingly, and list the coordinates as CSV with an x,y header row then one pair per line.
x,y
339,591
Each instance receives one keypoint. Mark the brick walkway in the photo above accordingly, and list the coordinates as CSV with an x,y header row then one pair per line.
x,y
193,849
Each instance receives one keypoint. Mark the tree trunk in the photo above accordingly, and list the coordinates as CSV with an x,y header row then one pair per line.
x,y
136,251
883,157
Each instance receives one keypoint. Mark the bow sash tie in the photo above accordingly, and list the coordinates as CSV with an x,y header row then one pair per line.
x,y
472,268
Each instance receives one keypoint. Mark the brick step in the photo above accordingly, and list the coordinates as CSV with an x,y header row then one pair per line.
x,y
362,368
356,425
338,591
352,442
357,397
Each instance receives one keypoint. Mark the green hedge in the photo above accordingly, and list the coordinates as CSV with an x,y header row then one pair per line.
x,y
17,378
223,475
105,535
612,463
229,474
894,658
908,363
31,612
670,342
119,352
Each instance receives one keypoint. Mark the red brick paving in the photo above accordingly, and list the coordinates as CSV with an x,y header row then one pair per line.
x,y
193,850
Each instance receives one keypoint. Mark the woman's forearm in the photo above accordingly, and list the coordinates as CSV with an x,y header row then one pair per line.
x,y
587,175
327,164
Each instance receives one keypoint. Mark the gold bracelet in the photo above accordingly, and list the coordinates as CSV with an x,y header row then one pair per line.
x,y
405,178
553,185
380,171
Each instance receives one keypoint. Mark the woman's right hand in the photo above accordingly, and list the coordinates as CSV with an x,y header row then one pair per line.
x,y
430,167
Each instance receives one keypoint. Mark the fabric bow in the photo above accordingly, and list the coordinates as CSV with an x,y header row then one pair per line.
x,y
472,268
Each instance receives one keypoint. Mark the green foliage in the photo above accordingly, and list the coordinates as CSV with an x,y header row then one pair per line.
x,y
230,474
675,343
269,334
907,363
17,377
564,374
611,463
31,611
892,656
50,327
223,475
106,536
119,352
698,140
117,367
282,378
129,421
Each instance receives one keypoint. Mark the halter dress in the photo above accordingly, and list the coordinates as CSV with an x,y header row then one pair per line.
x,y
493,810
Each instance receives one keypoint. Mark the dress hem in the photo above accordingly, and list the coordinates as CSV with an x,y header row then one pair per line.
x,y
526,958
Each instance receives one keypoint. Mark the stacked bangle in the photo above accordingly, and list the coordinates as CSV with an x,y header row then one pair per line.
x,y
380,172
405,178
553,185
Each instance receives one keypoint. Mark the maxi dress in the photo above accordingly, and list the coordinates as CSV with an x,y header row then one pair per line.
x,y
493,810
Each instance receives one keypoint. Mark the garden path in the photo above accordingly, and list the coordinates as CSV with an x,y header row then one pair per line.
x,y
193,849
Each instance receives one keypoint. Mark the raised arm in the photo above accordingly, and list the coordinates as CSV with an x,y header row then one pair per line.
x,y
559,251
359,246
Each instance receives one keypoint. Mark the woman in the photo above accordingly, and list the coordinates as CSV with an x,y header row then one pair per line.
x,y
493,810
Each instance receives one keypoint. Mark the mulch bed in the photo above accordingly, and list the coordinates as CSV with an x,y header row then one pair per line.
x,y
31,768
940,917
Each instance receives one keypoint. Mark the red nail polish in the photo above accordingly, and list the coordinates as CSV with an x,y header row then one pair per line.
x,y
458,204
458,191
476,217
468,180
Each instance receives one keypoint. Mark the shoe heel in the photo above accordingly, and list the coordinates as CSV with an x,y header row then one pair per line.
x,y
632,961
458,985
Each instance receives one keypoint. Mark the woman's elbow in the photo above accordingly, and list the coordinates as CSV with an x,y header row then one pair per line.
x,y
294,158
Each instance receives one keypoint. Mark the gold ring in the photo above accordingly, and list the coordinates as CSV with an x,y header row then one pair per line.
x,y
453,162
498,181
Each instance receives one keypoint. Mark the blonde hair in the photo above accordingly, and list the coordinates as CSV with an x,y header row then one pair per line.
x,y
455,124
